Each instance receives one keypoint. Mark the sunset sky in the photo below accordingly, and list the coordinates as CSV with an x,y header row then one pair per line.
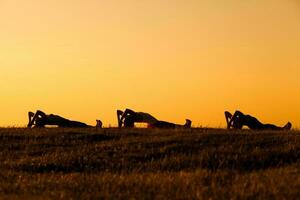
x,y
176,59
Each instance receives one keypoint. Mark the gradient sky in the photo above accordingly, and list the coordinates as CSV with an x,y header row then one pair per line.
x,y
175,59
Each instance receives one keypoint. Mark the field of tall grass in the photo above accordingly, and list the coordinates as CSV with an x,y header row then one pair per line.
x,y
148,164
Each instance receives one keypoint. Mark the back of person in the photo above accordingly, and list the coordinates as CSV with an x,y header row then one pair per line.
x,y
253,123
146,117
63,122
57,120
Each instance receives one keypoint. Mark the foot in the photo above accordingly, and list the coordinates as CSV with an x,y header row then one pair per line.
x,y
99,123
188,123
288,126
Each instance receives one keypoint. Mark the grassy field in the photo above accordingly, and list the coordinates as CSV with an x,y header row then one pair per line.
x,y
148,164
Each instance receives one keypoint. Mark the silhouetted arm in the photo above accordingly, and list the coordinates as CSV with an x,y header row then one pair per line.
x,y
126,112
119,116
37,114
234,117
30,122
228,117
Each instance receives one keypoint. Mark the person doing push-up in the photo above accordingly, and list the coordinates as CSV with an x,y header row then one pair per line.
x,y
129,117
40,119
238,120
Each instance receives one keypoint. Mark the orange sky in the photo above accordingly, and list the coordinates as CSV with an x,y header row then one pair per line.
x,y
175,59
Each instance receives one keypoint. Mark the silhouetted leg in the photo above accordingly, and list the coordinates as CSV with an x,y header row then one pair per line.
x,y
163,124
288,126
75,124
271,127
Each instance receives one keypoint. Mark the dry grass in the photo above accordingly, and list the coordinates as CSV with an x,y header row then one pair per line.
x,y
148,164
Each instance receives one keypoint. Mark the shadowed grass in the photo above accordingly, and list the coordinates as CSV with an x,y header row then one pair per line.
x,y
147,164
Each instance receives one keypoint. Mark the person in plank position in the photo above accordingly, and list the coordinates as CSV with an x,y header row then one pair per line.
x,y
238,120
40,119
129,117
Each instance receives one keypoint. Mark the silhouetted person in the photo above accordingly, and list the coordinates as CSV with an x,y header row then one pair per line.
x,y
129,117
40,119
238,120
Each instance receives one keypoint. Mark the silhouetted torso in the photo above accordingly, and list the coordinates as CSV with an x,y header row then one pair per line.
x,y
145,117
252,122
